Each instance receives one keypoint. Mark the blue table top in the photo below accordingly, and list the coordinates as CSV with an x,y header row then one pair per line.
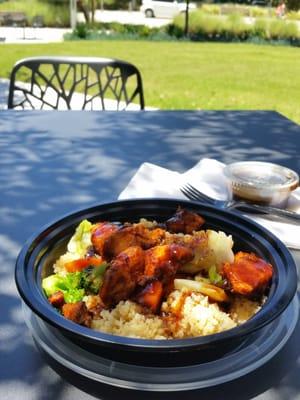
x,y
53,163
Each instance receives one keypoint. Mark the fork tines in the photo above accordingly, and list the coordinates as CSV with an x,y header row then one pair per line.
x,y
194,194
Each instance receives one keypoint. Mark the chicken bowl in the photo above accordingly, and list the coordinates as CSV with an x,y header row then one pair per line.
x,y
156,282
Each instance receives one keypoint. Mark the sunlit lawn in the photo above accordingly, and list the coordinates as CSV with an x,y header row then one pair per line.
x,y
194,75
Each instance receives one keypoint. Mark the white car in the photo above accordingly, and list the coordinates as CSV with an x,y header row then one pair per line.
x,y
164,8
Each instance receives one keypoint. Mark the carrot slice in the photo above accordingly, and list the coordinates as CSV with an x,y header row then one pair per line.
x,y
82,263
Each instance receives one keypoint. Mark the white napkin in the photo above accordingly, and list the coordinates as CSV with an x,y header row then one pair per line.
x,y
207,175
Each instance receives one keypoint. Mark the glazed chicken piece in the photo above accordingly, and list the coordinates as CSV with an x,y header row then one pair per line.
x,y
120,279
77,312
151,296
184,221
132,235
161,265
248,275
135,270
57,299
162,262
100,233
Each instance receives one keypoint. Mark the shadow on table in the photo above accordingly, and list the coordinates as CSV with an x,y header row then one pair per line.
x,y
59,173
20,365
4,83
62,168
51,166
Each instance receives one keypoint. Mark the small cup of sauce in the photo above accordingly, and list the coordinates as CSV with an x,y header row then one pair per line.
x,y
261,182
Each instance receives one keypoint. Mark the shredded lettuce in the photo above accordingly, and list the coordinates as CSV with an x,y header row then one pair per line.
x,y
214,276
81,239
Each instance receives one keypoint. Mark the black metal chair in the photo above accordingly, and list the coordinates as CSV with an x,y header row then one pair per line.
x,y
75,83
38,21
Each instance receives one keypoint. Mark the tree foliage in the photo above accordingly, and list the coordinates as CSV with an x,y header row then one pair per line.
x,y
117,4
88,7
293,5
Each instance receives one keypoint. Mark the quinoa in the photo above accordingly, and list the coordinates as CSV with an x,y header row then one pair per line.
x,y
127,319
197,316
242,309
185,314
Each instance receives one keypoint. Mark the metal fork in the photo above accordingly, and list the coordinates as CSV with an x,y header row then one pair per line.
x,y
194,194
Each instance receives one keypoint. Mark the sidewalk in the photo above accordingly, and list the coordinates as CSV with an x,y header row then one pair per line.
x,y
31,35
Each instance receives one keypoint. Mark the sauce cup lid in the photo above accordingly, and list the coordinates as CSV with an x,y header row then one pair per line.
x,y
261,175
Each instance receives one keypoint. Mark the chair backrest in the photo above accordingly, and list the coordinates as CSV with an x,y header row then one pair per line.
x,y
38,21
75,83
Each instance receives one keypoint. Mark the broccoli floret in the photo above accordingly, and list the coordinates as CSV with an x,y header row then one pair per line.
x,y
74,295
52,284
75,285
92,278
70,285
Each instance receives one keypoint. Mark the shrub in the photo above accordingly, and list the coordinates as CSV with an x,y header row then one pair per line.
x,y
175,30
293,15
211,9
210,26
229,9
236,26
81,31
116,4
291,31
258,12
206,25
233,27
202,26
279,29
260,29
115,30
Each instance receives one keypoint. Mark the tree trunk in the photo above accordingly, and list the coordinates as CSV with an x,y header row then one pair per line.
x,y
84,10
93,9
186,24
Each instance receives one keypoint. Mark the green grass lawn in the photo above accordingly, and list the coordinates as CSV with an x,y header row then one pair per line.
x,y
194,75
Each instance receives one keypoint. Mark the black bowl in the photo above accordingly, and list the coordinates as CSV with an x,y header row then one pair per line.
x,y
38,254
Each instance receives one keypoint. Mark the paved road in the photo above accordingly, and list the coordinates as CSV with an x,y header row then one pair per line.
x,y
127,17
